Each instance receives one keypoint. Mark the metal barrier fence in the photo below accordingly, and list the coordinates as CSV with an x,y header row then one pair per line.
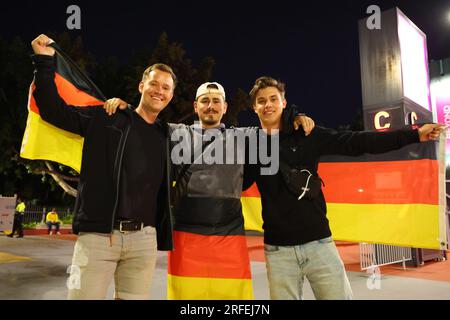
x,y
376,255
38,213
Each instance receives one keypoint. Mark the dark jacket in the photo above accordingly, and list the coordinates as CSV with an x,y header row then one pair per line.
x,y
105,138
289,221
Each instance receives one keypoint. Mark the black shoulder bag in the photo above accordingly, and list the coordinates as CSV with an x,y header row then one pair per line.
x,y
183,177
301,181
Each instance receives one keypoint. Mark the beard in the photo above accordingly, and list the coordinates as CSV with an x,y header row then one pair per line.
x,y
210,118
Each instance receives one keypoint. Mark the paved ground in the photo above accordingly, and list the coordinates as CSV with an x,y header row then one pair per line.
x,y
35,267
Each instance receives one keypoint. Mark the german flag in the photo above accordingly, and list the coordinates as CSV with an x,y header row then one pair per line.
x,y
395,198
209,267
44,141
252,209
210,258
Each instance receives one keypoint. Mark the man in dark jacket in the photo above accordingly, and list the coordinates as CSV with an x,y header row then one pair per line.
x,y
122,215
297,237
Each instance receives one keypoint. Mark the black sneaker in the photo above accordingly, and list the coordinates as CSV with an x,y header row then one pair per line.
x,y
10,235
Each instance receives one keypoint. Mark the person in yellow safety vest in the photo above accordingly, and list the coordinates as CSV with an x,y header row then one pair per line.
x,y
52,220
18,217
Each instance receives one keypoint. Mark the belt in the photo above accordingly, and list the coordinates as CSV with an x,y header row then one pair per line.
x,y
128,225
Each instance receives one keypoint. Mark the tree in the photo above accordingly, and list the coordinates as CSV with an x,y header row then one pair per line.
x,y
15,78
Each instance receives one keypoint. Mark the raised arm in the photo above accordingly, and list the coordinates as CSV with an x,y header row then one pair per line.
x,y
52,108
356,143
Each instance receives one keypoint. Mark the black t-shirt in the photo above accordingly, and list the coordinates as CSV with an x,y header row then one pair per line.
x,y
143,169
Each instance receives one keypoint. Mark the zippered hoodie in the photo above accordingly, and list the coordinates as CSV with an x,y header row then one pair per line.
x,y
104,141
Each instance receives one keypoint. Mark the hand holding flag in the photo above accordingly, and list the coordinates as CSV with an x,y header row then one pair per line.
x,y
40,45
429,132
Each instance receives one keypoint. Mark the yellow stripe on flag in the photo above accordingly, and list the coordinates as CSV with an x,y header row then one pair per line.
x,y
43,141
252,210
407,225
191,288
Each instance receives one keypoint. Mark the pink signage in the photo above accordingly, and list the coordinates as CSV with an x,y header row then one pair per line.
x,y
440,92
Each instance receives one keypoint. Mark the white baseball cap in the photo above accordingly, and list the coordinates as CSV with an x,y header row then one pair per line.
x,y
210,87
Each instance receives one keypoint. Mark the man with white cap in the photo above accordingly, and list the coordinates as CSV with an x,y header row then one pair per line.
x,y
210,250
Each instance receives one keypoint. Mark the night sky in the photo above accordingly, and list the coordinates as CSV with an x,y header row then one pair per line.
x,y
312,46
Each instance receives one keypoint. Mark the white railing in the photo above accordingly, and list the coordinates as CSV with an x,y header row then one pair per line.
x,y
375,255
38,213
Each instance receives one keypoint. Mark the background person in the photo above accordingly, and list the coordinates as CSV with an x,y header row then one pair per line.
x,y
18,219
52,220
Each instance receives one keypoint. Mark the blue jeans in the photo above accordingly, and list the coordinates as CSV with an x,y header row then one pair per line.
x,y
318,260
50,224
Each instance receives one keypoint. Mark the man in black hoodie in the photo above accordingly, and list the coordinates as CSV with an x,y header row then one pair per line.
x,y
122,213
297,236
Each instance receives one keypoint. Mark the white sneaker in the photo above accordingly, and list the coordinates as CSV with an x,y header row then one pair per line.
x,y
51,232
58,233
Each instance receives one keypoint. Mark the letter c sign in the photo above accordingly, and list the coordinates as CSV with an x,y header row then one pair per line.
x,y
377,122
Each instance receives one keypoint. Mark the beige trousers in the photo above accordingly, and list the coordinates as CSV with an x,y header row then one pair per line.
x,y
127,257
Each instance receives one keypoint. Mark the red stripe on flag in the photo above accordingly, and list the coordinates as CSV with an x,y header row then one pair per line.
x,y
252,192
72,95
393,182
69,93
209,256
32,107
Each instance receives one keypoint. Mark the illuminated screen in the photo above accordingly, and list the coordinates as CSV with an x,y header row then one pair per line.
x,y
414,62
